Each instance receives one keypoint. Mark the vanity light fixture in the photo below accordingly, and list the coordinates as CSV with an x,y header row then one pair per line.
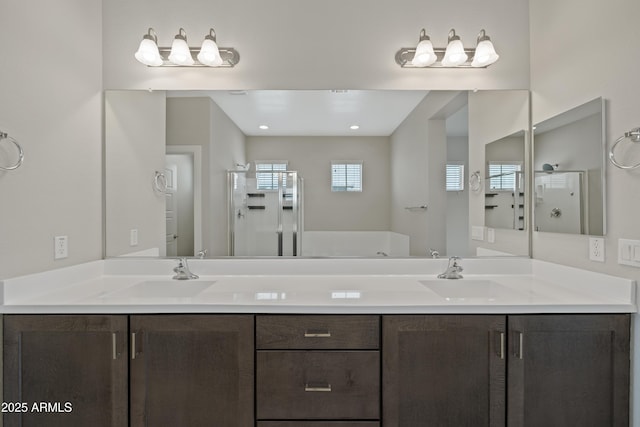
x,y
181,55
455,55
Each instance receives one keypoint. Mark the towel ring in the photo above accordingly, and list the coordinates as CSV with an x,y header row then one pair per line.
x,y
634,136
20,152
475,182
160,183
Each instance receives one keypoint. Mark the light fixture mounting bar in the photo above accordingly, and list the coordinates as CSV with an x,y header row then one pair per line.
x,y
405,55
230,57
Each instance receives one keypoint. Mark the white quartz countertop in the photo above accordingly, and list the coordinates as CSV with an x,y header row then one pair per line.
x,y
319,286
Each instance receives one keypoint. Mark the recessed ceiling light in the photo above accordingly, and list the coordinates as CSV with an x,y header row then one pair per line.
x,y
354,127
263,127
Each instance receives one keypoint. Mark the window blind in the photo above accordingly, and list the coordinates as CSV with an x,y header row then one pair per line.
x,y
454,177
267,175
503,176
346,176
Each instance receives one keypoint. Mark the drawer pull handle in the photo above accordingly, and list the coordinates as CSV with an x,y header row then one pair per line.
x,y
317,387
317,334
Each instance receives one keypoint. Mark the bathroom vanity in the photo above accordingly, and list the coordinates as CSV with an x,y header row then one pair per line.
x,y
548,345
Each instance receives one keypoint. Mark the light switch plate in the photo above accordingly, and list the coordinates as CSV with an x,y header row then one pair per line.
x,y
491,235
629,252
477,232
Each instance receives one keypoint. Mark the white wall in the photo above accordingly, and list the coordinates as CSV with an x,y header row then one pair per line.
x,y
292,44
561,82
311,156
50,84
134,151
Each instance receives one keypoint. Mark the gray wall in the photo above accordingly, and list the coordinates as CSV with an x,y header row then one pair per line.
x,y
311,156
418,159
293,44
52,104
134,151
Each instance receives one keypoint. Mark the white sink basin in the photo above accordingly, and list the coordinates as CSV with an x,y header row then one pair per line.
x,y
163,289
466,288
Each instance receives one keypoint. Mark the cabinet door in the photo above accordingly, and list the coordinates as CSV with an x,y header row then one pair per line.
x,y
192,370
72,368
568,370
443,370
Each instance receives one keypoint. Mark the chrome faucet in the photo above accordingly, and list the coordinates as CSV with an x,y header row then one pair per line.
x,y
434,253
453,270
182,271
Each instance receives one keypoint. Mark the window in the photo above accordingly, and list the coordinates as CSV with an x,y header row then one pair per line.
x,y
455,177
267,173
504,176
346,176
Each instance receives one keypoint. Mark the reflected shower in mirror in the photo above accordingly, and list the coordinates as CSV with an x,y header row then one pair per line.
x,y
370,167
505,185
569,162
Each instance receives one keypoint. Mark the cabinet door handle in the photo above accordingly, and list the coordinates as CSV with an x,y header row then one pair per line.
x,y
520,353
314,333
501,345
317,387
134,350
114,345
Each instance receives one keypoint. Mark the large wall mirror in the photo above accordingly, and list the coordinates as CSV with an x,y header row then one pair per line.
x,y
569,171
297,172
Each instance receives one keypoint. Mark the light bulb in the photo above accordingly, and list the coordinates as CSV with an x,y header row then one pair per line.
x,y
180,53
424,55
209,53
455,54
148,53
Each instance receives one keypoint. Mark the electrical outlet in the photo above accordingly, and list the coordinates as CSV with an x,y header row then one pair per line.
x,y
596,249
60,247
133,237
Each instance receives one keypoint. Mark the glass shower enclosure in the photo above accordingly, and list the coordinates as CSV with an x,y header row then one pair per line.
x,y
265,213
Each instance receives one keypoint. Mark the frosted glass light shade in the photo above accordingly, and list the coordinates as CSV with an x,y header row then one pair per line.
x,y
455,54
148,53
424,55
485,54
209,53
180,53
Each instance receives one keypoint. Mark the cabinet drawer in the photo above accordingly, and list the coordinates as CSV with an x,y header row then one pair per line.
x,y
317,332
318,424
323,385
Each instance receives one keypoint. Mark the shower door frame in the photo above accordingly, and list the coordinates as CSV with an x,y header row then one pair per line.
x,y
296,212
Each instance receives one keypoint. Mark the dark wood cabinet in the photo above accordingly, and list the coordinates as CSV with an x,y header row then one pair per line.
x,y
317,370
192,370
568,370
72,368
443,370
324,368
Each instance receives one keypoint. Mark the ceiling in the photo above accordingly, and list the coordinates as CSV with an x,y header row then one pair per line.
x,y
314,112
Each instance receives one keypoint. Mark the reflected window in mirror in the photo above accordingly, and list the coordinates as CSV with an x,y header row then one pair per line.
x,y
346,176
505,176
455,176
267,173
